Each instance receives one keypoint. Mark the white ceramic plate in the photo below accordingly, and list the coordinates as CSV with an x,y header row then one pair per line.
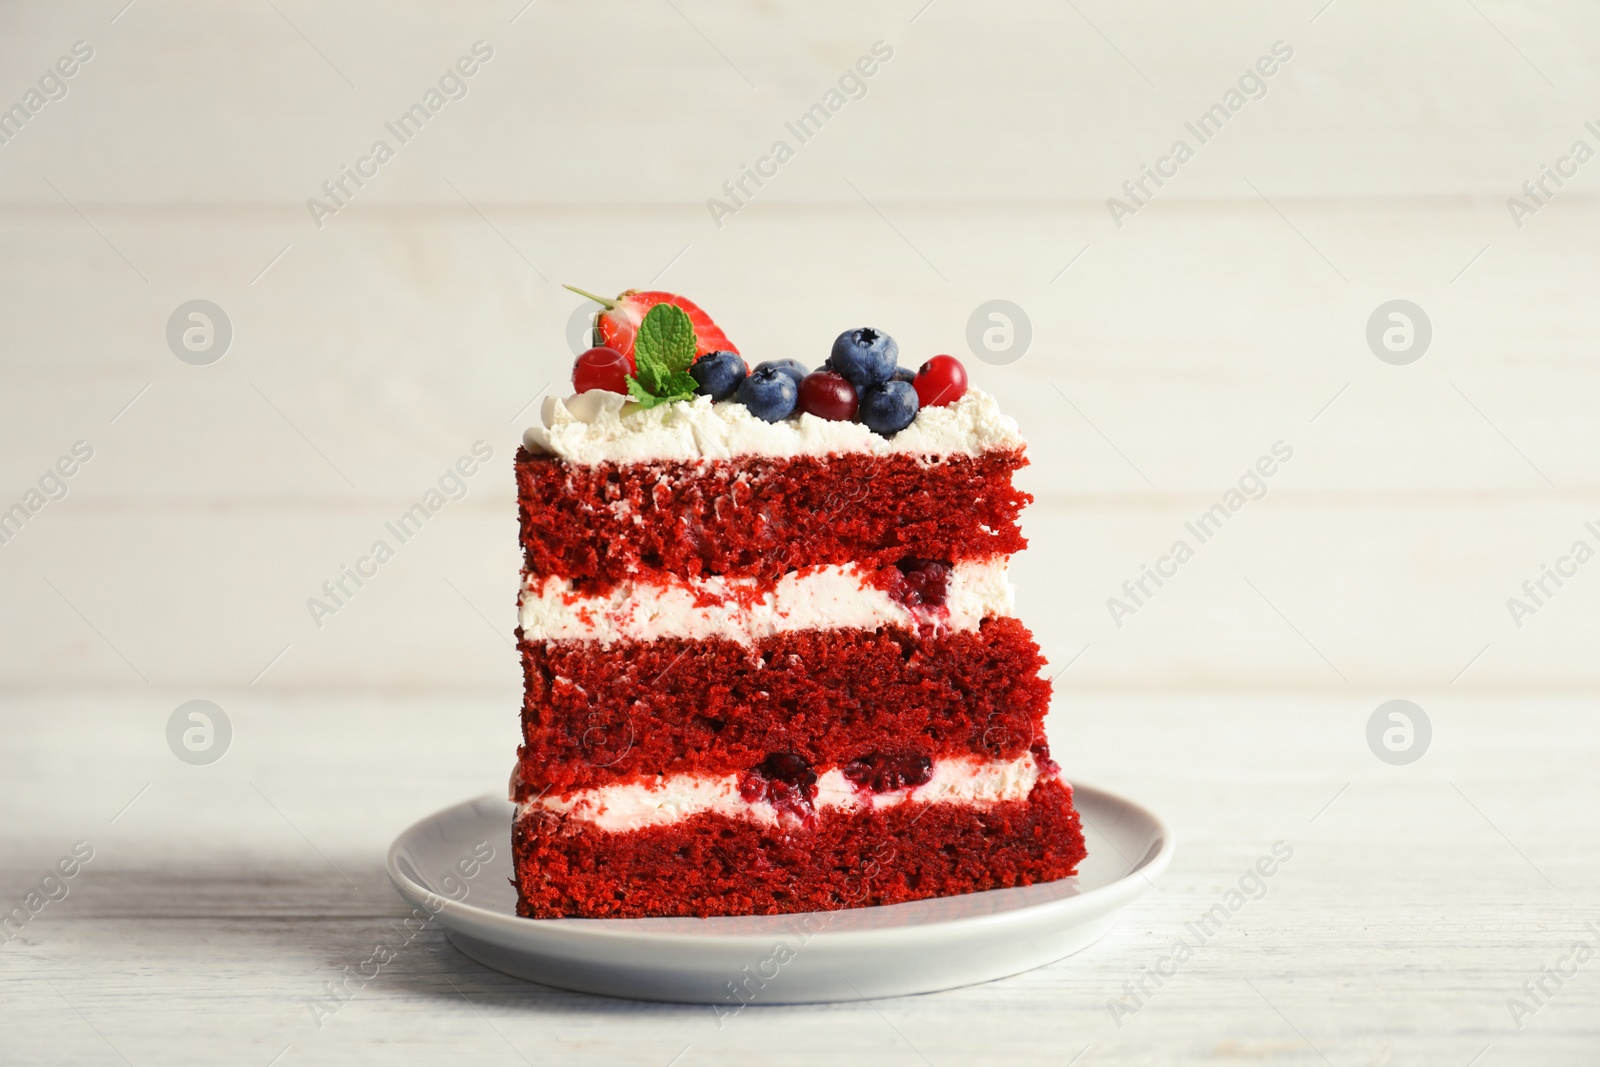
x,y
457,864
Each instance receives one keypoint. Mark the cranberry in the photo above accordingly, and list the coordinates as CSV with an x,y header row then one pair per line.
x,y
784,780
828,395
884,773
942,380
923,583
602,368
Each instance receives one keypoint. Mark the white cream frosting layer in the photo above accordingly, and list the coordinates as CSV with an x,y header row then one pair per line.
x,y
600,427
817,598
666,800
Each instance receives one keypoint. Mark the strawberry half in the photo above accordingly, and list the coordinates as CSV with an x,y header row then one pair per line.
x,y
620,320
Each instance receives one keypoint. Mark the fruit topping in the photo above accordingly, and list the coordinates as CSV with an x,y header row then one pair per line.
x,y
888,407
602,368
792,367
864,356
784,780
619,322
827,395
659,347
769,392
884,773
719,374
940,381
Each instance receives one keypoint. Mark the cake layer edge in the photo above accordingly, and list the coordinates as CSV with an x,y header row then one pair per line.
x,y
715,865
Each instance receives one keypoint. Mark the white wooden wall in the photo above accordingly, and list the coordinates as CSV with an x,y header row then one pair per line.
x,y
1226,315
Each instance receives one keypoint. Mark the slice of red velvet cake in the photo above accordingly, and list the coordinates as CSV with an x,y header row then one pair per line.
x,y
770,654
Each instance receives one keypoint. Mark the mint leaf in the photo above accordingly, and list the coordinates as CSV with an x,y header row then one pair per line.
x,y
677,386
667,335
663,349
639,393
652,373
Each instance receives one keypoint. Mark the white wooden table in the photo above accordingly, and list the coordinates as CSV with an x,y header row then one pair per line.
x,y
1226,314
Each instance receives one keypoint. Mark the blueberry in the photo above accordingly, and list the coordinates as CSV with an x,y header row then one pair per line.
x,y
864,356
719,374
770,393
903,374
888,407
792,367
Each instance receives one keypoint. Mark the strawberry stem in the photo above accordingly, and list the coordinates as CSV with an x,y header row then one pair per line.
x,y
602,301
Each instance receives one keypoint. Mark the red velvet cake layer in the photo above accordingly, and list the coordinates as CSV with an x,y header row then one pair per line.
x,y
762,517
715,865
595,716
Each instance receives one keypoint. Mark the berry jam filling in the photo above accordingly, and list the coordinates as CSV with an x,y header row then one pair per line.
x,y
921,583
784,780
1041,755
881,772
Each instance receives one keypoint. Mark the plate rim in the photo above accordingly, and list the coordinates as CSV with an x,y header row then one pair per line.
x,y
1115,894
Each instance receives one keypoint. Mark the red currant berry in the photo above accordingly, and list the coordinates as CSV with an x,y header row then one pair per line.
x,y
602,368
942,380
828,395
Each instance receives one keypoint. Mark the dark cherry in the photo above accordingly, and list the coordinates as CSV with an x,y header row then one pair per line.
x,y
922,583
828,395
884,773
785,780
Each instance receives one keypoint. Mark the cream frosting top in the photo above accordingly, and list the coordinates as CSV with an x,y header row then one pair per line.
x,y
603,427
